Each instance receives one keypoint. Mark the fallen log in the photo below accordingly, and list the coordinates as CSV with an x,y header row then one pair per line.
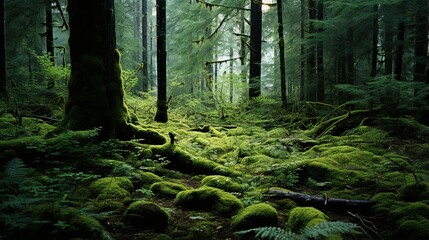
x,y
324,202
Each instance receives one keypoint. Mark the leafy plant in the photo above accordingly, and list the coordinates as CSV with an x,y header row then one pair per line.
x,y
323,229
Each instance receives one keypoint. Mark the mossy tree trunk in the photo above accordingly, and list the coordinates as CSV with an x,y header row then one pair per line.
x,y
96,96
255,51
161,112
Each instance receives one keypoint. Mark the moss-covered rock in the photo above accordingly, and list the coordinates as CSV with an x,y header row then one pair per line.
x,y
167,189
255,158
146,215
144,179
414,192
112,188
413,230
257,215
410,210
301,217
222,182
209,199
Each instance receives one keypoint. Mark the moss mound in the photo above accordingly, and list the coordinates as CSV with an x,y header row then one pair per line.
x,y
167,189
146,215
182,161
257,215
209,199
112,188
413,230
222,182
414,192
301,217
144,179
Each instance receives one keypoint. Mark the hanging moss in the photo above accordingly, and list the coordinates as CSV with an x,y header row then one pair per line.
x,y
209,199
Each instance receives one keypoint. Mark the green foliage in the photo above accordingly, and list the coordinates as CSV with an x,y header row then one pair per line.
x,y
323,229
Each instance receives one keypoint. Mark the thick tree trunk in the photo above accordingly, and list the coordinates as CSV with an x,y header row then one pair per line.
x,y
243,47
388,48
96,96
161,112
3,81
399,53
255,51
282,53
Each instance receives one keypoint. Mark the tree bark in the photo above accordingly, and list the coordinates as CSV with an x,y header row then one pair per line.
x,y
96,94
145,29
325,202
311,53
255,51
302,52
161,112
3,81
374,56
399,53
231,79
319,46
282,53
49,31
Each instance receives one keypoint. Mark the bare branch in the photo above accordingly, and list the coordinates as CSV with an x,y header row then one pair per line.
x,y
211,5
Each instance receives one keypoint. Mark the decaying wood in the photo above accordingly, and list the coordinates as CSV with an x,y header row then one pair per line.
x,y
323,202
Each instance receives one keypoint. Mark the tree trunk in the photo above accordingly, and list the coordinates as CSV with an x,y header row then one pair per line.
x,y
320,65
255,51
374,57
399,53
3,81
282,53
161,112
388,48
243,47
49,31
349,50
311,53
96,95
231,79
302,53
421,67
145,29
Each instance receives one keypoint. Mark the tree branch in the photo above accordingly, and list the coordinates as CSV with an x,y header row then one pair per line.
x,y
211,5
222,61
65,25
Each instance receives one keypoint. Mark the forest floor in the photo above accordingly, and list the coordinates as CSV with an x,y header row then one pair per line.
x,y
220,176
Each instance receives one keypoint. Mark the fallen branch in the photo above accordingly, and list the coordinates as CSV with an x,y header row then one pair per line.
x,y
46,119
324,202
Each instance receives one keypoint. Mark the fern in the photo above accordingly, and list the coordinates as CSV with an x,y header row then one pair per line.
x,y
323,229
16,171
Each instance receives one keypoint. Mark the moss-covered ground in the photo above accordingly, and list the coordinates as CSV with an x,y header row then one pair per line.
x,y
73,186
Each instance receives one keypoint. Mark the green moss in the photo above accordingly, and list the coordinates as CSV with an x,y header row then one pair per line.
x,y
181,160
112,188
167,189
413,230
254,159
84,226
105,205
222,182
410,210
209,199
146,215
301,217
257,215
414,192
145,179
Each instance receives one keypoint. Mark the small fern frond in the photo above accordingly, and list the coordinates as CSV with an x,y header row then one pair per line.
x,y
325,229
272,233
16,170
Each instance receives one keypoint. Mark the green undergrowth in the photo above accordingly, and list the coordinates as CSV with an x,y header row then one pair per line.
x,y
214,179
